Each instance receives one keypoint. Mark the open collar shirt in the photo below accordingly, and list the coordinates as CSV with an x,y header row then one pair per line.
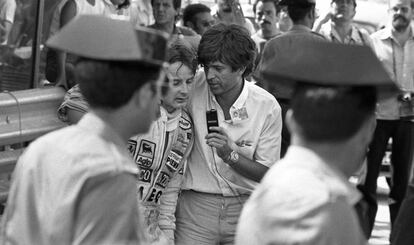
x,y
398,61
255,127
301,200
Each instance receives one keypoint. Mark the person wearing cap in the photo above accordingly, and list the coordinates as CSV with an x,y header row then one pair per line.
x,y
306,197
303,14
394,46
77,185
198,17
337,25
226,164
160,154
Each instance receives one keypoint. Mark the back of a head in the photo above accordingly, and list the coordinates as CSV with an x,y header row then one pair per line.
x,y
332,113
228,44
192,10
111,84
298,9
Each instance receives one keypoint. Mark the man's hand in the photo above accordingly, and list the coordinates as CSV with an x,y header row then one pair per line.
x,y
220,140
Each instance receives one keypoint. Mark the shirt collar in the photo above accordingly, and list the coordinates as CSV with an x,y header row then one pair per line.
x,y
337,181
241,100
386,33
355,34
299,27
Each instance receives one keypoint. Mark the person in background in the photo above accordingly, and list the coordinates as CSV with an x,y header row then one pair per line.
x,y
7,10
306,197
337,25
77,185
198,17
166,14
266,14
141,11
303,14
230,12
235,143
59,65
394,46
285,23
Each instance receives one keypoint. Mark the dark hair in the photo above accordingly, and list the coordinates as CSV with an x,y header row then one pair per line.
x,y
275,2
332,114
354,1
125,4
298,12
228,44
180,52
176,4
111,84
192,10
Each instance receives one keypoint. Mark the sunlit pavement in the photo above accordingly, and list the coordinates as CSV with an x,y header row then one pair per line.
x,y
380,234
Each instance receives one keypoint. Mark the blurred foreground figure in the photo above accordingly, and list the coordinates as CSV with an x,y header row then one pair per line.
x,y
306,197
77,185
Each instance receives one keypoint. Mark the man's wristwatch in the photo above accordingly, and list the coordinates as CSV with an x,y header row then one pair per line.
x,y
232,158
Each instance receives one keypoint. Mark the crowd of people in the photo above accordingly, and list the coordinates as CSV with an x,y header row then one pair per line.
x,y
212,129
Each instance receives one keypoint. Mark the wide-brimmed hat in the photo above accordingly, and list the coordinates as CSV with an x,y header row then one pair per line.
x,y
103,38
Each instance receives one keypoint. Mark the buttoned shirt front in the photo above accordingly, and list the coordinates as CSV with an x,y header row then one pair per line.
x,y
74,186
255,127
398,61
301,200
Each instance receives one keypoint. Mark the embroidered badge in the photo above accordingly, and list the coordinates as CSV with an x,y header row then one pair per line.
x,y
184,123
132,147
240,114
146,153
173,161
163,180
145,175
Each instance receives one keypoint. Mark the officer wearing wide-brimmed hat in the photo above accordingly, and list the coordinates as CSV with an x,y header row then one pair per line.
x,y
306,197
77,185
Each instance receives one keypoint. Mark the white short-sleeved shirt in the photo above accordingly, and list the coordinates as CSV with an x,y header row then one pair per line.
x,y
301,200
255,127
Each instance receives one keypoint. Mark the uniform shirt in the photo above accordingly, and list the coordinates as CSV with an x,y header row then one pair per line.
x,y
301,200
74,186
357,36
255,127
399,62
276,47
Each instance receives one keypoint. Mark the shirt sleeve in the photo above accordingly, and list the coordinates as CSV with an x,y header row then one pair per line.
x,y
268,147
8,11
107,211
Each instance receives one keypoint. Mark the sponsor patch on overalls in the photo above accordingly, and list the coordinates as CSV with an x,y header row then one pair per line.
x,y
173,161
146,154
163,180
184,123
132,147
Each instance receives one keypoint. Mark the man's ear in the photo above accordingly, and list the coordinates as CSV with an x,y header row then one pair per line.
x,y
143,96
189,24
290,121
